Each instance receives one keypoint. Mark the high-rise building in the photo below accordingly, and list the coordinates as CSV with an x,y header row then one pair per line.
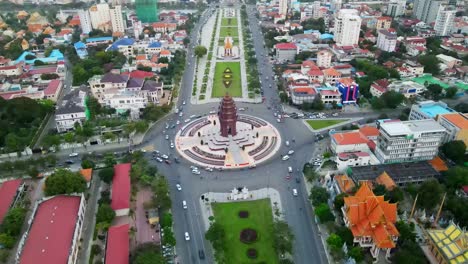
x,y
117,20
387,40
85,21
147,10
445,20
396,8
283,7
426,10
409,140
336,5
347,27
100,16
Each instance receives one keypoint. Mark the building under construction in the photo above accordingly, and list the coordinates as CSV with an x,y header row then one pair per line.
x,y
147,10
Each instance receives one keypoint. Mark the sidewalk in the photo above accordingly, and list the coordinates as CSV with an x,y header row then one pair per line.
x,y
263,193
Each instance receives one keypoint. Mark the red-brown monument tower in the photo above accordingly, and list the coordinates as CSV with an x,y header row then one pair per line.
x,y
227,114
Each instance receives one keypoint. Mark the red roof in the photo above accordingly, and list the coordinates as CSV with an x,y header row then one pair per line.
x,y
139,74
286,46
43,70
51,233
52,87
8,193
329,92
121,186
12,67
117,248
350,138
369,131
305,90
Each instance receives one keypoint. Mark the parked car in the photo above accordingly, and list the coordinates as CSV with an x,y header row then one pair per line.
x,y
201,254
74,154
285,157
291,152
187,236
184,204
179,188
294,192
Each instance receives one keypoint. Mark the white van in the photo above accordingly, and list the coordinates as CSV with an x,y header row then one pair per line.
x,y
184,204
289,169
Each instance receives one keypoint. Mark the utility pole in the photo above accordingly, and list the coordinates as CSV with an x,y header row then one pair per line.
x,y
414,205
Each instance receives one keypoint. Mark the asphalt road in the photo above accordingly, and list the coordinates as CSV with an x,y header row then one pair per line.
x,y
272,173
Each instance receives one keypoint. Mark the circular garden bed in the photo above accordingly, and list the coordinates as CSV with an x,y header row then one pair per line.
x,y
252,253
243,214
248,235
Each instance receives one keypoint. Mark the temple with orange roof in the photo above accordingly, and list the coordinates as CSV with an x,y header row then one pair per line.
x,y
371,220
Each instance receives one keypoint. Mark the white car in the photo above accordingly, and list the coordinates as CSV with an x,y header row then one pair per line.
x,y
184,204
212,112
286,143
179,188
294,192
164,156
172,145
193,167
209,169
193,116
241,109
181,114
187,236
196,172
290,169
159,159
74,154
167,136
285,157
291,152
187,120
178,122
183,102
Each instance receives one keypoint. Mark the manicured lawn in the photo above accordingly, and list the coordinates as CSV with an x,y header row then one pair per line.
x,y
260,218
221,42
319,124
219,90
228,31
225,22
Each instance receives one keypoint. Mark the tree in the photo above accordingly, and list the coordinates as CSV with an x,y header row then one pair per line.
x,y
87,164
106,175
163,60
345,234
51,141
451,92
335,242
430,63
454,150
434,91
13,221
160,188
166,220
356,254
63,181
200,51
339,201
406,232
109,160
217,235
168,237
318,195
430,193
456,177
7,241
283,237
324,213
392,99
105,214
394,196
149,257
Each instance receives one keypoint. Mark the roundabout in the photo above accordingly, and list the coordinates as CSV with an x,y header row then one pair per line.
x,y
227,140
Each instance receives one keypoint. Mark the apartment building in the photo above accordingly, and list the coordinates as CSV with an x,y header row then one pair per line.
x,y
409,140
445,20
117,20
347,27
100,16
387,40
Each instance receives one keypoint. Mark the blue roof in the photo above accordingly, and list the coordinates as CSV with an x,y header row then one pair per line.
x,y
121,42
433,110
155,45
99,39
79,45
54,56
326,36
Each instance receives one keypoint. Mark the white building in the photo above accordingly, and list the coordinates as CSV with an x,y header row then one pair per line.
x,y
426,10
387,40
85,21
409,140
407,88
396,8
283,7
117,20
100,16
429,110
349,141
316,10
352,159
445,20
71,111
324,58
347,27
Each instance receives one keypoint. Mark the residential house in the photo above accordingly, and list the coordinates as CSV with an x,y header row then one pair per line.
x,y
407,88
383,22
415,68
72,110
371,221
331,75
345,160
285,52
124,46
379,87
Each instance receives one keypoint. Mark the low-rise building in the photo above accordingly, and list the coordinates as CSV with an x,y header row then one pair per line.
x,y
71,110
379,87
54,231
447,245
331,75
330,96
449,61
407,88
371,221
120,194
429,110
11,70
349,90
343,184
415,69
117,245
456,125
345,160
303,95
10,190
349,141
54,88
285,52
409,140
383,22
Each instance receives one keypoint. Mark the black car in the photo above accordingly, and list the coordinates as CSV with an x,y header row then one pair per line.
x,y
201,254
298,180
69,162
176,160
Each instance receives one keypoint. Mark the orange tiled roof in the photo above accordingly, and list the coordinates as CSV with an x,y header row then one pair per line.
x,y
87,174
140,57
331,72
370,215
350,138
438,164
345,183
166,52
369,131
385,180
457,119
